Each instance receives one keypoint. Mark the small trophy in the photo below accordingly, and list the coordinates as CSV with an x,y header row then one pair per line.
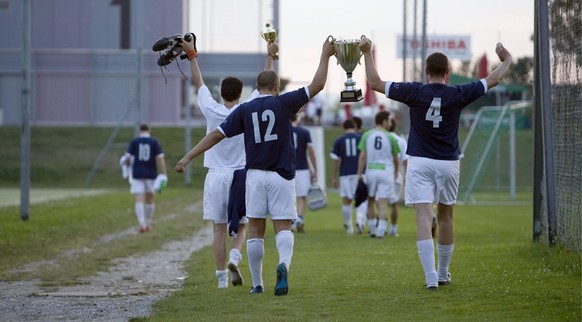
x,y
270,35
348,55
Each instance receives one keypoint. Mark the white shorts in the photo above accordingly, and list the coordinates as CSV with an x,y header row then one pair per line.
x,y
347,186
431,181
215,200
302,182
269,193
381,185
142,186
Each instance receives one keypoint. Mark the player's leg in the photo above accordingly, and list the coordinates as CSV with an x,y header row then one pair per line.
x,y
235,254
138,190
256,205
347,185
394,209
448,188
420,191
219,246
302,184
282,211
149,208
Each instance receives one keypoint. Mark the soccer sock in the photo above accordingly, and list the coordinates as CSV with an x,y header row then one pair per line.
x,y
222,276
149,213
372,226
445,254
234,256
347,213
285,241
300,219
393,228
426,255
139,213
255,253
382,225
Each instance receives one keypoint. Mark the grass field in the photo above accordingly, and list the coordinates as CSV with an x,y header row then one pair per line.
x,y
499,274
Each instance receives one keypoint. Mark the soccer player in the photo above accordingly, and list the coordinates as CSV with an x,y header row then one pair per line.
x,y
304,174
433,148
145,155
399,182
362,209
345,156
221,161
379,156
270,160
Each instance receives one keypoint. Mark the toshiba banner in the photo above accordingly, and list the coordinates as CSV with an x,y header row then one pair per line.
x,y
455,47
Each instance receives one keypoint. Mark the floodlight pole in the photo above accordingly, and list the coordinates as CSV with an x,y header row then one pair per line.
x,y
423,44
26,107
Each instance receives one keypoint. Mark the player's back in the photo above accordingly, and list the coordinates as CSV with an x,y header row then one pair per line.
x,y
346,148
301,140
378,145
144,151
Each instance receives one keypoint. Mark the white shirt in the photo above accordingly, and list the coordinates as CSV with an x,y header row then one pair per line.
x,y
228,154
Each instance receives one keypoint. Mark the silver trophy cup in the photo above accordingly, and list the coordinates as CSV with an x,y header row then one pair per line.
x,y
348,55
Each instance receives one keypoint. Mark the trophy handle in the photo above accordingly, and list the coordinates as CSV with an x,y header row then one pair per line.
x,y
330,37
361,53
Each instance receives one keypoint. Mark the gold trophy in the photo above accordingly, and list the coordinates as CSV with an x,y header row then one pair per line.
x,y
270,35
348,55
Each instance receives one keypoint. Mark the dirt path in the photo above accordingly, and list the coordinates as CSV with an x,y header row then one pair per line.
x,y
128,289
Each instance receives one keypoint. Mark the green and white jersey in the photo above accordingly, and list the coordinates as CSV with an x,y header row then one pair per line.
x,y
380,147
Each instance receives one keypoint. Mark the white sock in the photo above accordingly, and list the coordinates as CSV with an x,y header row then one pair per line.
x,y
445,254
234,256
382,225
372,226
347,213
149,213
255,253
426,255
285,241
222,277
139,213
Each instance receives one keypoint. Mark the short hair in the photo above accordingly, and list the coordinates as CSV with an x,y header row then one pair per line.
x,y
358,122
437,64
267,80
144,127
381,117
231,89
349,124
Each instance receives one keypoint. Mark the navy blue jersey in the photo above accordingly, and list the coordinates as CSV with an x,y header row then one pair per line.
x,y
301,140
346,149
435,110
266,124
144,150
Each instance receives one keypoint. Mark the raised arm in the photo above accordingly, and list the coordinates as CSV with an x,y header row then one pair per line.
x,y
190,48
371,73
272,50
320,76
496,75
206,143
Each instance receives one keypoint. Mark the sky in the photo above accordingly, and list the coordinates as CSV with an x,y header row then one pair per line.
x,y
305,24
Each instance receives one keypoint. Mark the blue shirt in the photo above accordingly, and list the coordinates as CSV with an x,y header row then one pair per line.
x,y
301,139
144,150
266,124
346,149
435,110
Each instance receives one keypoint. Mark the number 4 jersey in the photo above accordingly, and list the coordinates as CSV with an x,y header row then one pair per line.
x,y
435,110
